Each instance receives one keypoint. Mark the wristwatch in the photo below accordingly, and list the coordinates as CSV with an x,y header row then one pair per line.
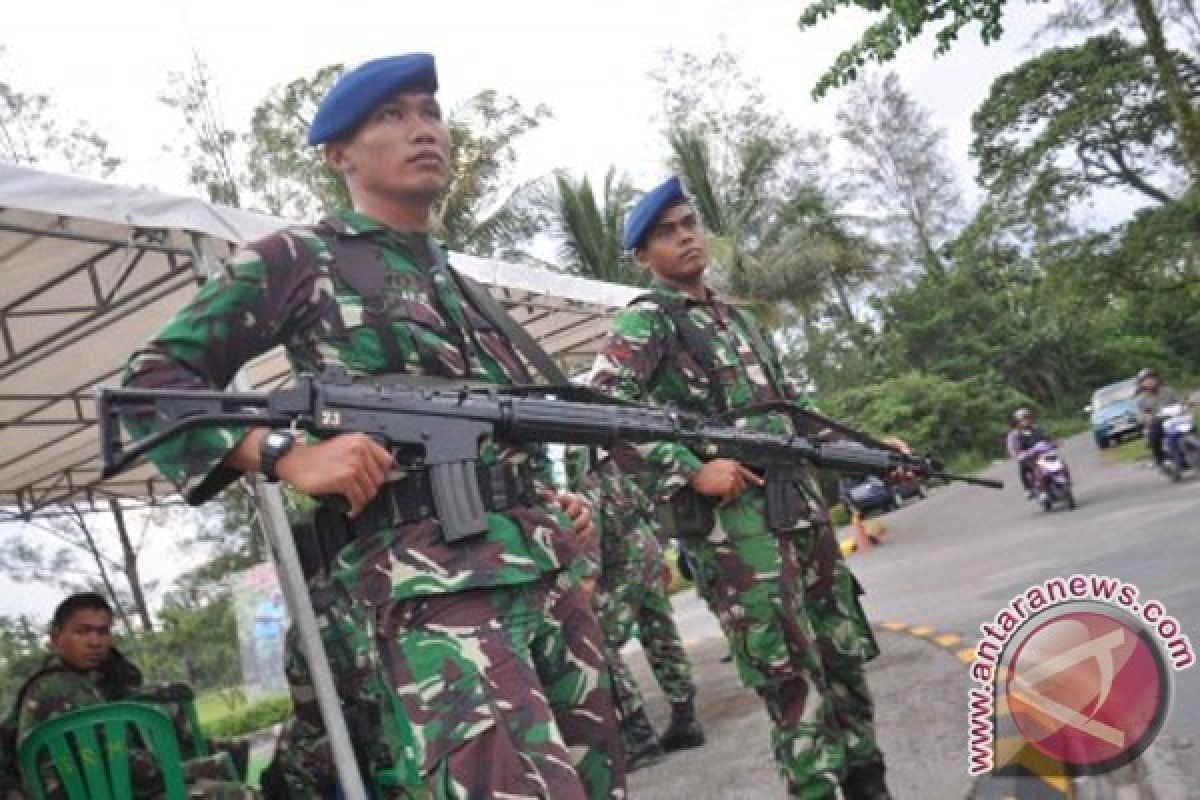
x,y
274,446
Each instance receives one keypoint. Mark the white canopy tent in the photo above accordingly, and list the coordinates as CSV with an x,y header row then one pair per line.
x,y
90,271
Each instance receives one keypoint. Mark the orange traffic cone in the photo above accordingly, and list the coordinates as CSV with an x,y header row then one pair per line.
x,y
862,540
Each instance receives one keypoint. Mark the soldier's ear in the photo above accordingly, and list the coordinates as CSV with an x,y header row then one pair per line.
x,y
337,156
640,257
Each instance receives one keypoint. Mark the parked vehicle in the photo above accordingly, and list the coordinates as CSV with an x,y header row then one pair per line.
x,y
1051,477
1180,441
865,494
1114,413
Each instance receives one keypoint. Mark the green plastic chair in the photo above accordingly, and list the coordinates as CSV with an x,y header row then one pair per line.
x,y
406,774
90,770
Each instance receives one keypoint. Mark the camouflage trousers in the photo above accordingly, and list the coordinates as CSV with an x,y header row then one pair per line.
x,y
627,598
789,607
507,692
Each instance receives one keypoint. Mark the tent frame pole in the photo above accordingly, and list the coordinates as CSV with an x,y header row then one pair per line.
x,y
278,531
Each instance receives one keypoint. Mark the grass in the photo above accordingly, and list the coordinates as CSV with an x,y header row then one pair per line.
x,y
1126,453
215,704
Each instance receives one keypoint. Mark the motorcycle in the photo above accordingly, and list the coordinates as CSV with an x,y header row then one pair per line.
x,y
1180,440
1051,477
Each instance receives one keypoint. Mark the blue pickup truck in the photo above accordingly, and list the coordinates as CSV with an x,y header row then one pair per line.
x,y
1114,413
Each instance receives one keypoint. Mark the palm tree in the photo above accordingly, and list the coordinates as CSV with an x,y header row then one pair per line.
x,y
776,236
589,228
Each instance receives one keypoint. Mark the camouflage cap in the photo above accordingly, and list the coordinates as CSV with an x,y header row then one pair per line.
x,y
360,90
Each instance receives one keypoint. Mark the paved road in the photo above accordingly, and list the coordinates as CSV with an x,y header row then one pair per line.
x,y
951,562
954,560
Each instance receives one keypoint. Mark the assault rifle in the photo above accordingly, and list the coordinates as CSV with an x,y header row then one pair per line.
x,y
440,429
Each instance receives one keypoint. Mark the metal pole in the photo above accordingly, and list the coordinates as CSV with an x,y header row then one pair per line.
x,y
295,593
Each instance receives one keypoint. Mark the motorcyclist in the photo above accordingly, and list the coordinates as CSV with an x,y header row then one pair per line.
x,y
1152,398
1022,436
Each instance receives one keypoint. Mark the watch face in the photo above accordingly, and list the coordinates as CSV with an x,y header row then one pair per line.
x,y
277,439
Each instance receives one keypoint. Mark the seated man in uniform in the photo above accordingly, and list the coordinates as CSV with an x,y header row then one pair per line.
x,y
85,670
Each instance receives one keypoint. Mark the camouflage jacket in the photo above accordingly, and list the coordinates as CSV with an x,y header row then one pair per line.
x,y
58,689
625,522
286,290
303,751
645,359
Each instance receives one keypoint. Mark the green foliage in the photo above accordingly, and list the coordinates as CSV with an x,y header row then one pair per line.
x,y
262,714
196,645
900,172
589,227
1074,119
292,178
482,211
938,414
22,648
211,148
839,515
32,135
898,23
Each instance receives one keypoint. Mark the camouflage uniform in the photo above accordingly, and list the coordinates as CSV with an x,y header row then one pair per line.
x,y
786,601
629,591
303,754
59,689
492,653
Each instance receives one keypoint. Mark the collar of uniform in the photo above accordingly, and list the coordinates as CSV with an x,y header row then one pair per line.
x,y
671,291
348,222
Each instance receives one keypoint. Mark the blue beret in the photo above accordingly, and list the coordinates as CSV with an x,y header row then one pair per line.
x,y
645,213
362,89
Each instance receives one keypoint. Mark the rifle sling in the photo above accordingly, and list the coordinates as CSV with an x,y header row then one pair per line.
x,y
495,313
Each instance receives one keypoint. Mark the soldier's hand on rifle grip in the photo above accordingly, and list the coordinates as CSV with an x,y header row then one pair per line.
x,y
352,465
724,478
575,507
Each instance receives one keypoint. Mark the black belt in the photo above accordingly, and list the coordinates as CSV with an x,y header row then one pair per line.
x,y
410,499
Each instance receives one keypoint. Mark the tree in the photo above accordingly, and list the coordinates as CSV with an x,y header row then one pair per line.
x,y
483,212
900,21
32,135
291,178
22,649
899,169
81,561
589,229
212,150
1075,119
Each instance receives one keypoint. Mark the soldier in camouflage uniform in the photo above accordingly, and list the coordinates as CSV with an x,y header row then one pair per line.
x,y
629,595
786,600
302,767
487,643
84,671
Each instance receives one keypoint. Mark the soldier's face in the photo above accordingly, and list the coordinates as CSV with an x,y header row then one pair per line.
x,y
402,151
676,249
85,640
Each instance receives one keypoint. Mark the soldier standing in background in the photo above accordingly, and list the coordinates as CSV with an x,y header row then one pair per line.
x,y
786,600
629,596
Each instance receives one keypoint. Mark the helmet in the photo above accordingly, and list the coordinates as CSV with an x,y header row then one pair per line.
x,y
1022,413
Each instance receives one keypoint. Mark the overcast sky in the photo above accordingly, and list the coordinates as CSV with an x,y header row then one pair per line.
x,y
588,60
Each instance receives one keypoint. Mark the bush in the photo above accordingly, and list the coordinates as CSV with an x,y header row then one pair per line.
x,y
263,714
839,515
953,419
